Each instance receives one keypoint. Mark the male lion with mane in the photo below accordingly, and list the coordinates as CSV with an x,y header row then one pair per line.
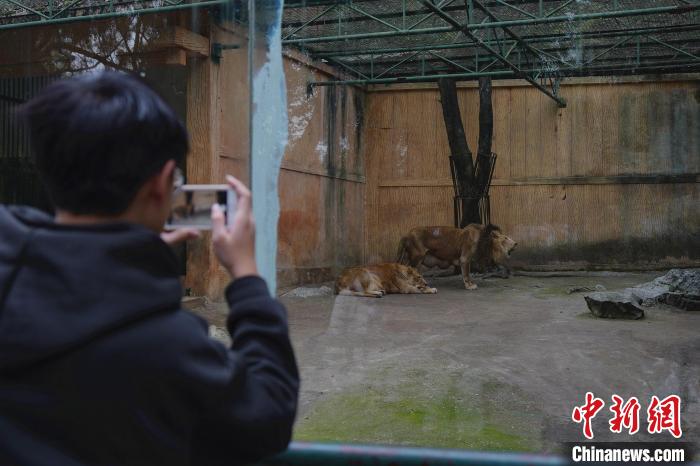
x,y
449,246
374,281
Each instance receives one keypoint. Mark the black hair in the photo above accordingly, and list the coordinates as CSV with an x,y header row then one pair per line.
x,y
97,138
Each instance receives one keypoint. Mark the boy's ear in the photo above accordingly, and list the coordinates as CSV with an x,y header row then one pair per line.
x,y
162,181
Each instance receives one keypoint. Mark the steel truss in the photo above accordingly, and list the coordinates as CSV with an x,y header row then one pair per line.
x,y
15,14
541,41
393,41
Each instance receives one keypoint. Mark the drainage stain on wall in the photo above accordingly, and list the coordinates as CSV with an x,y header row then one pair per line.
x,y
321,183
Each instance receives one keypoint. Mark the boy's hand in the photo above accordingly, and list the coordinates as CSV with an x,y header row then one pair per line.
x,y
178,236
235,246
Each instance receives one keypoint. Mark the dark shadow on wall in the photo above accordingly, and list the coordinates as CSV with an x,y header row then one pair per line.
x,y
670,250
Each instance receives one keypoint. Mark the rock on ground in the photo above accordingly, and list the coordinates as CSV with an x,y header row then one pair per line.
x,y
679,288
614,305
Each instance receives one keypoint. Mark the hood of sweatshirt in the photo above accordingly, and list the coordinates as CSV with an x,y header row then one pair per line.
x,y
62,286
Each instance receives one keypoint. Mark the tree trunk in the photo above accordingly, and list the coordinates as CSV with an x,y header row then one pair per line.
x,y
456,136
485,116
461,155
485,137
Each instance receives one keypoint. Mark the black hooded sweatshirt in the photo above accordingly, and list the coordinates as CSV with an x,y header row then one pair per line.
x,y
100,365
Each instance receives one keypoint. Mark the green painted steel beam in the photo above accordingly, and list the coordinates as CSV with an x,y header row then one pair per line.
x,y
318,16
297,4
500,24
114,14
537,53
604,70
679,50
415,78
515,68
532,39
393,67
670,60
509,32
600,69
328,454
623,44
407,13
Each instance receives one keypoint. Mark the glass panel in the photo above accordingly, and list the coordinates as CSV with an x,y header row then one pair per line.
x,y
342,167
268,129
369,158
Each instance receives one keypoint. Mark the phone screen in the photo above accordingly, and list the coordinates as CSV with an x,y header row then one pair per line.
x,y
192,205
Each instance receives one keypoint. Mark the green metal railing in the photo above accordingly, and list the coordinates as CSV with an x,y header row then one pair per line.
x,y
322,454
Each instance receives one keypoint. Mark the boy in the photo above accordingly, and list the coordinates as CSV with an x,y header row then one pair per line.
x,y
98,362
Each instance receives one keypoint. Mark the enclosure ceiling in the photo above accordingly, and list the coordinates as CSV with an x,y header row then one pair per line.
x,y
16,14
394,41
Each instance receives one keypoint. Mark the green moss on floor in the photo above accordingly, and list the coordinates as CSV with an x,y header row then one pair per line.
x,y
408,415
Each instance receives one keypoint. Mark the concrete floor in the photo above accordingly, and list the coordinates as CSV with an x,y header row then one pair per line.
x,y
499,368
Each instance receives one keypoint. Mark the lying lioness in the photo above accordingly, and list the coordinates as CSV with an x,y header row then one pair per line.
x,y
449,246
375,281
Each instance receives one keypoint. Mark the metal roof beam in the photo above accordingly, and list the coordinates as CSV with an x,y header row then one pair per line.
x,y
415,79
518,72
615,69
499,24
677,49
531,39
507,30
296,4
671,59
623,44
113,14
395,14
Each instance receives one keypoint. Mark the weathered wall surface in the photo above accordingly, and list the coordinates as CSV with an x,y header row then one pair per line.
x,y
610,181
322,181
321,184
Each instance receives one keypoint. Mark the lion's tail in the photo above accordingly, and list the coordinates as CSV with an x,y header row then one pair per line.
x,y
402,255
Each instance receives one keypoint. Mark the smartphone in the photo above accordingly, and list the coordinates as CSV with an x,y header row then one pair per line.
x,y
192,205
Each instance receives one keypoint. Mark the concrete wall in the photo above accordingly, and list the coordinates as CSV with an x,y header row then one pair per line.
x,y
610,181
